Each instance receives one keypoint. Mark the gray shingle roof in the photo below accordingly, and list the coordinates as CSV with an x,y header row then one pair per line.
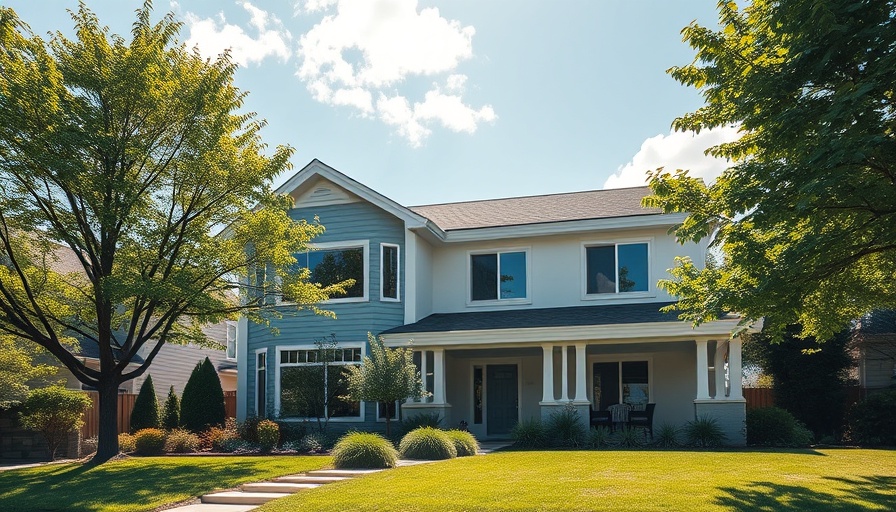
x,y
544,317
516,211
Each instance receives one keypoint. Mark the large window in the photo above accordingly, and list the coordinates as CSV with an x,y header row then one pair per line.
x,y
313,382
498,276
331,264
616,268
260,383
389,272
621,382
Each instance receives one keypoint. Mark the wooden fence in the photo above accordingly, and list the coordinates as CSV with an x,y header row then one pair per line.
x,y
764,397
230,404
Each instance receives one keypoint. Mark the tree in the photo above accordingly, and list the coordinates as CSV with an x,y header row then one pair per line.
x,y
20,362
125,157
803,223
54,412
171,411
386,376
202,404
146,408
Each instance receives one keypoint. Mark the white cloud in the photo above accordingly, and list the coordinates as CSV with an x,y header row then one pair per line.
x,y
214,36
678,150
371,48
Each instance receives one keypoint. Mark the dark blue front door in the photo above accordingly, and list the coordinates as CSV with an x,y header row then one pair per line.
x,y
502,398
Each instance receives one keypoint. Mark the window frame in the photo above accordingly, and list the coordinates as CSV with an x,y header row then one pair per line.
x,y
345,244
619,359
310,346
499,301
258,382
397,297
230,326
615,243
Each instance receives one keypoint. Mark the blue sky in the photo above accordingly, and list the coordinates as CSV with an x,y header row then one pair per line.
x,y
430,102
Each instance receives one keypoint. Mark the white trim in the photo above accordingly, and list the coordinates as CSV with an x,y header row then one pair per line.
x,y
410,276
310,346
620,358
344,244
397,298
498,252
616,242
484,363
242,368
255,363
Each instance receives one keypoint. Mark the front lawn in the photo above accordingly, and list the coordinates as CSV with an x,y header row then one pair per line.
x,y
836,480
139,483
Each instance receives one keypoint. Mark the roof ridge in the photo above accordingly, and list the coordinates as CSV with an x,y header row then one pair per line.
x,y
527,197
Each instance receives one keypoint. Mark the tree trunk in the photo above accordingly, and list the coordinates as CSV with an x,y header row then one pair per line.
x,y
107,447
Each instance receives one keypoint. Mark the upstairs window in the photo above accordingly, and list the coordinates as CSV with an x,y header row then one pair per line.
x,y
389,271
616,268
331,264
498,276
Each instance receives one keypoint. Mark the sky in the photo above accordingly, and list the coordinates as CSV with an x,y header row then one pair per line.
x,y
442,101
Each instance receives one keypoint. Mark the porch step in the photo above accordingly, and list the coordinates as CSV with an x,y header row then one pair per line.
x,y
209,507
278,487
242,498
311,479
349,473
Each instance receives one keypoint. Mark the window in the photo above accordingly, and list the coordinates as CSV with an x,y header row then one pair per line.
x,y
260,383
330,264
617,268
389,272
621,382
231,340
498,276
313,382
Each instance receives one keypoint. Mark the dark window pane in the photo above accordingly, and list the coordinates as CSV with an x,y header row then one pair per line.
x,y
484,276
513,275
600,269
337,386
302,391
633,267
390,272
635,389
387,409
477,395
329,267
261,395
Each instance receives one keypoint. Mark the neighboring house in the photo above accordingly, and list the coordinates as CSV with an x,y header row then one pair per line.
x,y
874,345
514,308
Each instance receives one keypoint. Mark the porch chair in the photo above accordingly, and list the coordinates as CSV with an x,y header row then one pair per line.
x,y
642,419
601,419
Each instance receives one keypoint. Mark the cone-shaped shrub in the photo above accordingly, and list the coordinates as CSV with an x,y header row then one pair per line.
x,y
464,442
171,411
202,404
427,443
364,450
146,408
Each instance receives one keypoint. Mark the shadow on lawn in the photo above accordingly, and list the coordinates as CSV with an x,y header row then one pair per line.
x,y
88,488
852,494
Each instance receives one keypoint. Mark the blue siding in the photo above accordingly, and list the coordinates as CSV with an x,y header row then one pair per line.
x,y
344,222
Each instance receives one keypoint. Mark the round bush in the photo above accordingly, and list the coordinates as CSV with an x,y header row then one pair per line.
x,y
268,433
126,443
427,443
150,441
773,426
873,420
364,450
181,441
464,442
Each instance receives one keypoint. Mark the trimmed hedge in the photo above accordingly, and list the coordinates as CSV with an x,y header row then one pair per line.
x,y
427,443
773,426
150,441
171,411
364,450
268,433
146,408
873,420
181,440
202,404
464,442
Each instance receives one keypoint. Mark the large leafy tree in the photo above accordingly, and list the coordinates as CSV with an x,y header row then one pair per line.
x,y
21,364
803,222
124,157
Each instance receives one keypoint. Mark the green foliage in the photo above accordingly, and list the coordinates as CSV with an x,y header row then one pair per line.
x,y
773,426
529,433
268,435
802,217
54,412
422,419
171,411
363,450
20,362
666,436
464,442
427,443
627,437
386,375
146,408
704,432
566,428
127,443
181,440
308,391
291,431
202,404
150,441
215,438
873,420
598,437
248,430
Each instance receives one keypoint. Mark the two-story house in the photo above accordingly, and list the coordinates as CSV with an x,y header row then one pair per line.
x,y
513,307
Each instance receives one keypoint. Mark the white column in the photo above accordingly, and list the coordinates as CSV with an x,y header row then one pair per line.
x,y
581,370
438,391
719,363
423,370
548,374
702,371
564,373
735,369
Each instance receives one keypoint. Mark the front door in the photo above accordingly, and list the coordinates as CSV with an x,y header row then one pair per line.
x,y
502,398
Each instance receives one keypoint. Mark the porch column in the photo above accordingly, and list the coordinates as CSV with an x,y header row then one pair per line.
x,y
438,391
735,369
702,371
548,374
564,373
581,370
719,363
423,370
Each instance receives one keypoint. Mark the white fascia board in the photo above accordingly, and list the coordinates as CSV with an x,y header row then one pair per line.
x,y
620,333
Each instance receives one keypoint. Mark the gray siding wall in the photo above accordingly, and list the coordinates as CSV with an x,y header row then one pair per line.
x,y
343,222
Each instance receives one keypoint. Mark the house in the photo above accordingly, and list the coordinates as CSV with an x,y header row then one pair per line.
x,y
514,308
874,348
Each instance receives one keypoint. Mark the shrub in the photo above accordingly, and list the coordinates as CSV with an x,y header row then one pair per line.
x,y
126,443
427,443
312,443
268,435
54,412
171,411
248,429
566,428
423,419
146,408
150,441
364,450
291,431
202,404
236,445
464,442
873,420
181,440
598,437
773,426
704,432
628,437
529,433
666,436
214,437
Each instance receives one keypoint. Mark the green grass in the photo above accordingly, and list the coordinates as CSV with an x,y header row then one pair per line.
x,y
837,480
139,483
